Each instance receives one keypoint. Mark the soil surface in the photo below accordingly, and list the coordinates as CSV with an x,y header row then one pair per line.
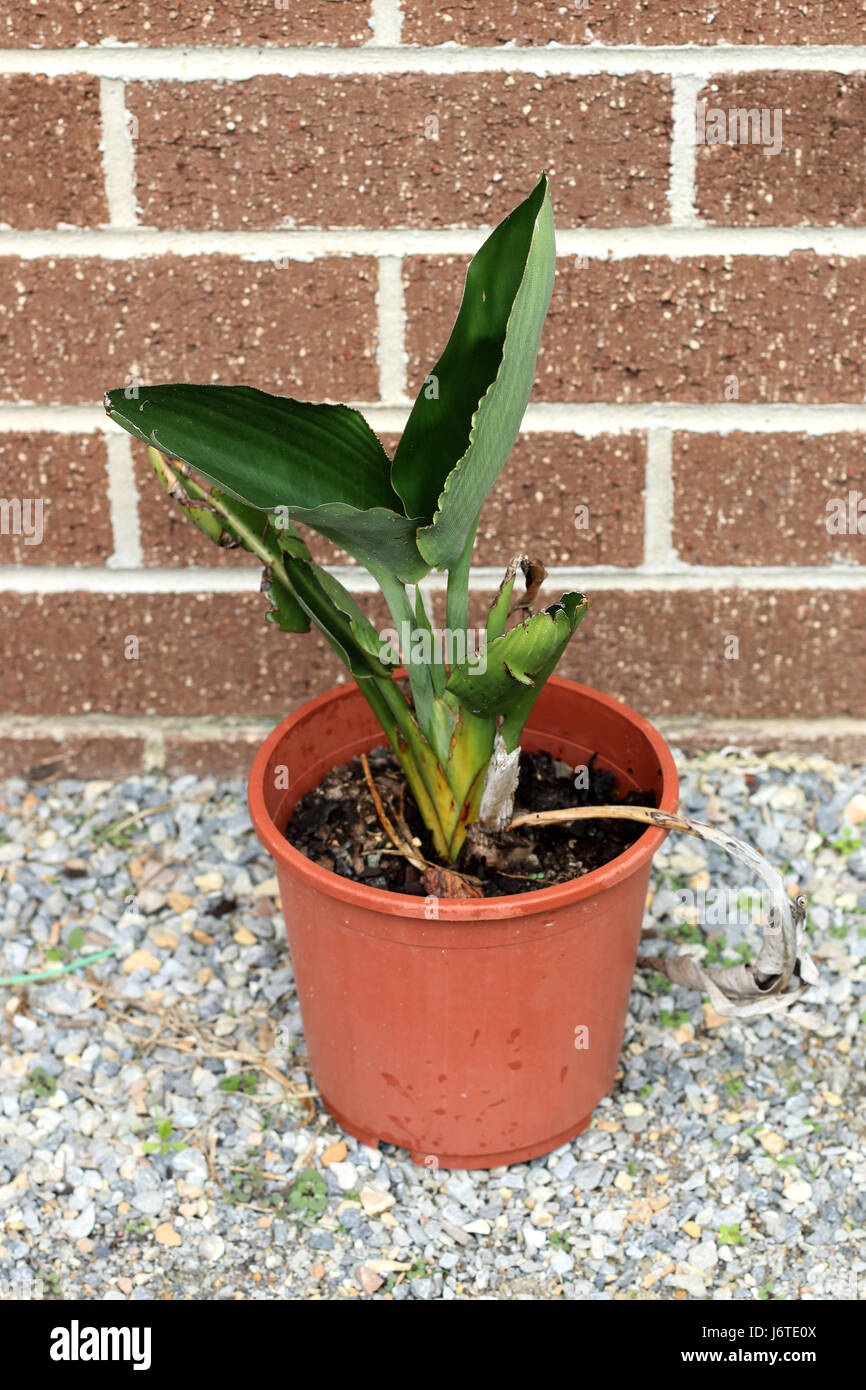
x,y
336,825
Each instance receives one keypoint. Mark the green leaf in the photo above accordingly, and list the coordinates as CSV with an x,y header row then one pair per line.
x,y
374,537
75,939
517,666
287,612
338,617
321,463
467,416
269,451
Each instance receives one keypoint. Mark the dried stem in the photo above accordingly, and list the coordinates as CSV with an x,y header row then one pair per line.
x,y
741,990
396,839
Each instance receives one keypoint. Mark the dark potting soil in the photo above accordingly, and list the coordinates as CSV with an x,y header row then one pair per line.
x,y
336,826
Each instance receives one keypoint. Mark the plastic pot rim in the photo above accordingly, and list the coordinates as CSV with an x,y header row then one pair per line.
x,y
473,910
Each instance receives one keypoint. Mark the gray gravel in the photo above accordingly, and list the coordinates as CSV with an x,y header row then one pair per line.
x,y
156,1114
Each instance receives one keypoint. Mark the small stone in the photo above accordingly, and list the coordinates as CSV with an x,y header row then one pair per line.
x,y
477,1228
375,1202
179,902
773,1143
213,1247
692,1229
712,1019
632,1107
149,901
369,1280
797,1193
165,1234
541,1217
268,888
588,1176
165,940
82,1224
346,1175
334,1153
209,883
855,811
141,960
704,1257
244,937
624,1181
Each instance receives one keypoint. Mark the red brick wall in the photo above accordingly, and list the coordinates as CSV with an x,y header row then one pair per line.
x,y
287,196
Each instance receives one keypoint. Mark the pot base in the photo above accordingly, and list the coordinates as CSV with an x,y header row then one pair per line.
x,y
436,1161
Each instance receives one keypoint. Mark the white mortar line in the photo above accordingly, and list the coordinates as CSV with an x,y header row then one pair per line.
x,y
123,503
198,64
659,503
118,154
63,579
391,329
587,420
153,728
598,243
681,194
386,22
130,725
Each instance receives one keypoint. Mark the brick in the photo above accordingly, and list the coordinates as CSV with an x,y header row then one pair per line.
x,y
532,507
663,653
40,757
56,489
153,24
817,174
646,329
230,754
71,328
50,164
198,654
651,22
726,514
359,151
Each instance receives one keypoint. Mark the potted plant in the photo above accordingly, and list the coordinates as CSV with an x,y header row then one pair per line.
x,y
473,1030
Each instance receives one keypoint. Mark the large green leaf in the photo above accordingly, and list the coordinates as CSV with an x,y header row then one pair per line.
x,y
517,666
467,416
322,463
377,538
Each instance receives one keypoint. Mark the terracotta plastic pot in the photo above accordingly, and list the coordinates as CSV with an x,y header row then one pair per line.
x,y
484,1034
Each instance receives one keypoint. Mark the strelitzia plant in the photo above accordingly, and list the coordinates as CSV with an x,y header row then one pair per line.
x,y
246,467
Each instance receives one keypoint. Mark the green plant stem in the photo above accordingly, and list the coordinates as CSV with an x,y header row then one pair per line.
x,y
61,969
